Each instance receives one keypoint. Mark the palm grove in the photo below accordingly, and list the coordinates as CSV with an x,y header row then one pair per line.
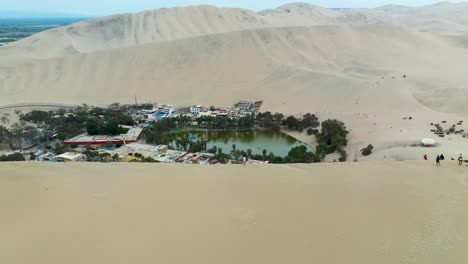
x,y
331,135
331,138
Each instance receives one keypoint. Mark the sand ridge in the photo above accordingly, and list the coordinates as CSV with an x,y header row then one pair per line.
x,y
330,213
298,58
165,24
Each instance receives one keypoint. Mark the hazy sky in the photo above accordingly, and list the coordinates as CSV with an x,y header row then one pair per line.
x,y
107,7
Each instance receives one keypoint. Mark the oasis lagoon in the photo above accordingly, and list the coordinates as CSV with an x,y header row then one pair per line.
x,y
278,143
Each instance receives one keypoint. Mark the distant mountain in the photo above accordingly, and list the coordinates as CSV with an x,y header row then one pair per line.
x,y
303,9
13,14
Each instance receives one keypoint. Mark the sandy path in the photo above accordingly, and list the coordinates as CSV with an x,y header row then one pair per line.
x,y
341,213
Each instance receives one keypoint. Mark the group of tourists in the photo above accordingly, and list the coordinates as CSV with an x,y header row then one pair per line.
x,y
441,157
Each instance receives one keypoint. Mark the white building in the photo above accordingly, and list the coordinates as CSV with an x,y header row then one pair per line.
x,y
207,113
46,157
149,112
245,114
222,112
70,157
167,110
195,110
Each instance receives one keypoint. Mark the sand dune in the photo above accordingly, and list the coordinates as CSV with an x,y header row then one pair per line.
x,y
127,30
337,52
122,213
161,25
297,58
299,14
133,29
259,64
443,18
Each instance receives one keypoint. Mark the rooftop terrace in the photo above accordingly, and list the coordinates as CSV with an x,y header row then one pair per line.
x,y
84,139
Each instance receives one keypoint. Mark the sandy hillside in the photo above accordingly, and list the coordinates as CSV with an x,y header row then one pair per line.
x,y
299,14
259,64
444,18
133,29
121,213
154,26
297,58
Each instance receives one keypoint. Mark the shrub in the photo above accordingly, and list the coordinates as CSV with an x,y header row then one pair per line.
x,y
60,149
213,150
300,155
12,157
310,120
300,127
291,122
310,131
61,136
367,150
221,157
333,136
149,160
343,155
36,116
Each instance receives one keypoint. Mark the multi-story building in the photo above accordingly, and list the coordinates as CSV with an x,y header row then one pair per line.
x,y
195,110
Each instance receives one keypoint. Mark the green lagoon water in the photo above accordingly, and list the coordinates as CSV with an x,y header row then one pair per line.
x,y
278,143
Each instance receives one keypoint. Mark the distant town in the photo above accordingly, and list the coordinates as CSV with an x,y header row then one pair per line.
x,y
157,133
14,29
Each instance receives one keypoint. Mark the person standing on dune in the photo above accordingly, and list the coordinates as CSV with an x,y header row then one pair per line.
x,y
438,160
425,157
460,160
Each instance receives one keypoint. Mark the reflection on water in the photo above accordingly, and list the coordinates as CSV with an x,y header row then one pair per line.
x,y
257,141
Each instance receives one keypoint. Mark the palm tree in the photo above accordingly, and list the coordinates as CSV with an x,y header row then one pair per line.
x,y
237,154
278,117
249,153
184,142
203,142
204,146
234,148
214,150
264,152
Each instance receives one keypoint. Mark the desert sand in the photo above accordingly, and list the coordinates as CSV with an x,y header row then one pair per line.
x,y
384,212
298,58
371,68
